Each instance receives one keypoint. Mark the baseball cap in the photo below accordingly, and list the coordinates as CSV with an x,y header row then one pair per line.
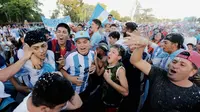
x,y
81,34
191,56
104,47
175,38
2,91
131,25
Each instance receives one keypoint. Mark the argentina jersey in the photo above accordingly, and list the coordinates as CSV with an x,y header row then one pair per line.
x,y
78,65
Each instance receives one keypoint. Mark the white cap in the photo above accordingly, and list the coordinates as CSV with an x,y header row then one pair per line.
x,y
2,91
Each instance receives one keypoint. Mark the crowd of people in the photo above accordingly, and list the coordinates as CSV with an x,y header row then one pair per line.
x,y
106,67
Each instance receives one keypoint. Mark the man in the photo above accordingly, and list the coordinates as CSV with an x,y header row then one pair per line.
x,y
62,44
80,27
96,37
51,93
107,29
110,19
113,27
196,78
190,46
172,44
131,102
169,91
130,27
47,34
106,32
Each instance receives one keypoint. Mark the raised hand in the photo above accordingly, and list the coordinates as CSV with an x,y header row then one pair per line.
x,y
27,52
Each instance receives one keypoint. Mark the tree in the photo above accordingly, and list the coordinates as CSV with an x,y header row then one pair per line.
x,y
72,8
19,10
55,14
144,15
125,19
115,14
86,12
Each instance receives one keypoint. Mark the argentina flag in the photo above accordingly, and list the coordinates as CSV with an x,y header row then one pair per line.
x,y
99,13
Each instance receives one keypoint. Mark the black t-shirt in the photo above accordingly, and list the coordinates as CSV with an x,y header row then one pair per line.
x,y
164,96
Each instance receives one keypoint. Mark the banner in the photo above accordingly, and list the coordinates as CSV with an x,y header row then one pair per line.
x,y
52,23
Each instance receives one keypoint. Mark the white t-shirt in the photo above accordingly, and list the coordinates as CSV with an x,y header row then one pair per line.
x,y
22,107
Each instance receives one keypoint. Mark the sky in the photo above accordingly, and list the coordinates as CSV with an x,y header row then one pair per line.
x,y
172,9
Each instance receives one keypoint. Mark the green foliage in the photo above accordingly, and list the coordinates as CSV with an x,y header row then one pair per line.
x,y
115,14
19,10
125,19
72,8
76,9
55,14
86,12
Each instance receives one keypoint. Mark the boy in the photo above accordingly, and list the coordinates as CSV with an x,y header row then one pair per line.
x,y
78,62
28,74
113,37
116,85
60,46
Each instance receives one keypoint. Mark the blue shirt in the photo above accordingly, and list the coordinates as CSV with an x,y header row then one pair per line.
x,y
96,38
78,65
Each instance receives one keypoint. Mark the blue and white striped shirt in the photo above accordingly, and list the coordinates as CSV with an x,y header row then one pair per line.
x,y
78,65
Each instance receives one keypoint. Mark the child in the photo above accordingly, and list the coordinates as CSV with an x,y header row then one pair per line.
x,y
116,85
101,57
28,75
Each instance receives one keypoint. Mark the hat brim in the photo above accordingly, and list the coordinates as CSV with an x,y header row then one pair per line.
x,y
82,38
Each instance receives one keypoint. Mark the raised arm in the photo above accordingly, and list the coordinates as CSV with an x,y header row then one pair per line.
x,y
137,45
8,72
99,69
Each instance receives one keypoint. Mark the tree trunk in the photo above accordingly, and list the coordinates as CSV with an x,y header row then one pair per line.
x,y
7,17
